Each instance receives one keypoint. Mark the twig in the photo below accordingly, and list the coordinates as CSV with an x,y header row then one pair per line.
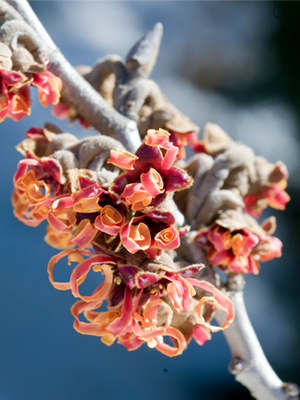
x,y
78,92
249,364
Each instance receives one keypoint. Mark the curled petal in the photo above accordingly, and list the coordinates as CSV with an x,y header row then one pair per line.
x,y
97,326
239,264
17,105
58,240
152,182
73,255
137,196
253,265
23,178
167,239
38,192
219,257
87,206
250,240
62,203
278,197
130,341
219,300
201,334
86,199
49,87
81,270
62,220
168,350
11,78
135,237
180,292
118,326
122,159
110,220
84,234
219,238
36,134
161,138
275,246
145,327
54,168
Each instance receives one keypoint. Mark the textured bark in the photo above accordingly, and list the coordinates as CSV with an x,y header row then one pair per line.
x,y
78,92
249,364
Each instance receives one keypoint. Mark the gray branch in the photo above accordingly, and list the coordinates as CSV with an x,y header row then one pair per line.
x,y
249,364
78,92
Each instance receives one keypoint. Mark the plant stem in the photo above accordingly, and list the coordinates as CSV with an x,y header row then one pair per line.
x,y
78,92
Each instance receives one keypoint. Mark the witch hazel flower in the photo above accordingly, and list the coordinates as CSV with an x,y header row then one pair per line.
x,y
86,213
141,303
15,99
37,182
93,215
272,195
181,140
237,250
151,233
149,173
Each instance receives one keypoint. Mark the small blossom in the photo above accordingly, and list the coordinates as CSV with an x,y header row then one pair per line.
x,y
167,239
122,159
49,87
15,99
237,251
135,235
181,140
273,196
137,196
109,220
149,175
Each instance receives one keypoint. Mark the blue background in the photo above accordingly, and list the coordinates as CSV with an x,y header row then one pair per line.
x,y
219,62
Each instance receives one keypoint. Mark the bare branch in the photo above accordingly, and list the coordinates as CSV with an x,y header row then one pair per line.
x,y
249,364
78,92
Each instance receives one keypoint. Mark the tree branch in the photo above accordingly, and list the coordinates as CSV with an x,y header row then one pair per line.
x,y
249,364
78,92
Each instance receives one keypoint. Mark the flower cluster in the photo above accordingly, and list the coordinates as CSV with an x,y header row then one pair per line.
x,y
15,99
272,195
150,175
238,250
127,227
141,303
38,181
127,214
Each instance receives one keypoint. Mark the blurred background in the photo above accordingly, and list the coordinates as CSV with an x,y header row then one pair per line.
x,y
232,63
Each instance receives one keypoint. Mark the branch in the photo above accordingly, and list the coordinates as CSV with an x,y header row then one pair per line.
x,y
78,91
249,364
